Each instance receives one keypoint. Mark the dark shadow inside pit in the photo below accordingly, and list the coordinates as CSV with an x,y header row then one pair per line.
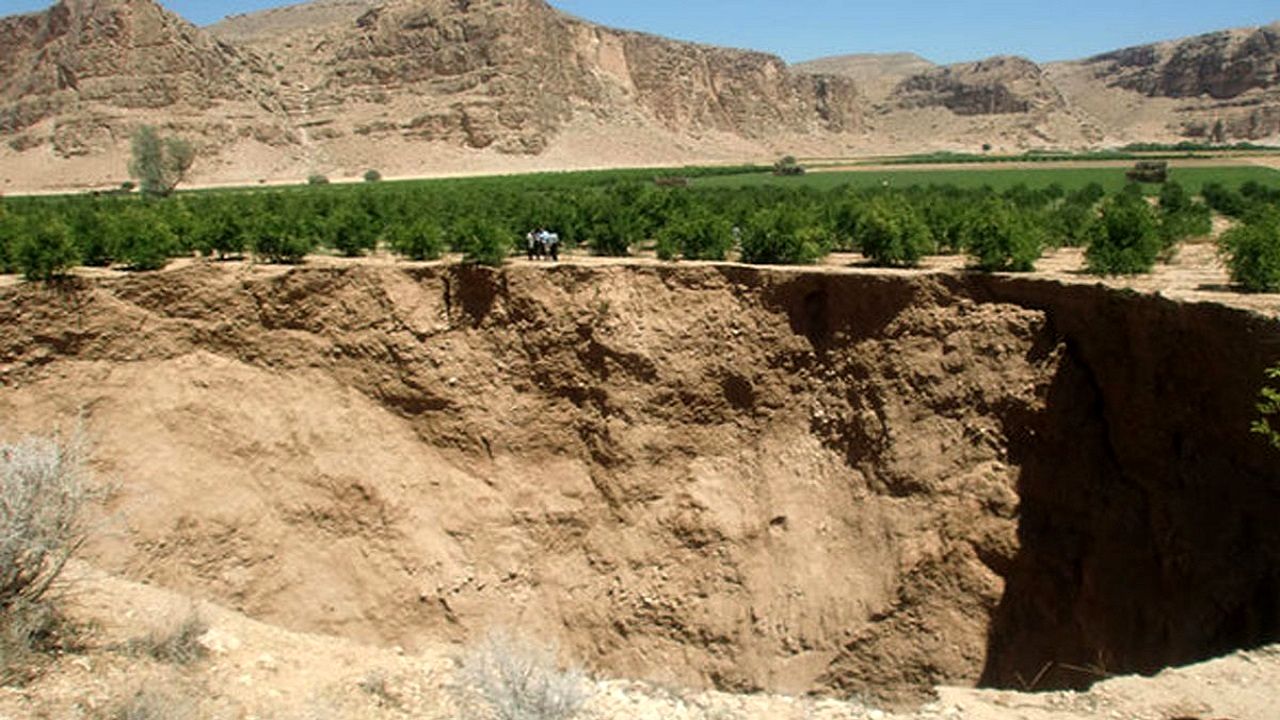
x,y
1148,533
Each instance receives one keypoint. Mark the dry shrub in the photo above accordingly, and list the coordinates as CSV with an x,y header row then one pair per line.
x,y
27,630
506,678
43,488
377,684
175,640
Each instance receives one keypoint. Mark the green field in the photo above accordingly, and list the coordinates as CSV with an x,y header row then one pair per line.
x,y
1112,179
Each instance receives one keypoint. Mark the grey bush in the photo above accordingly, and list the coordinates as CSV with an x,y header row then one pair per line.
x,y
507,678
43,487
174,640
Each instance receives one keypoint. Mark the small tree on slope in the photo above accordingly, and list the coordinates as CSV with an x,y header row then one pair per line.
x,y
159,164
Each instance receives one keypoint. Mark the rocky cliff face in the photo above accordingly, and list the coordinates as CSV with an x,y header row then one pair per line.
x,y
87,64
875,75
1223,85
996,86
508,74
1221,65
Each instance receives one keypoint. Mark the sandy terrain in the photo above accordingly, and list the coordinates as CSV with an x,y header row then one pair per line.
x,y
255,670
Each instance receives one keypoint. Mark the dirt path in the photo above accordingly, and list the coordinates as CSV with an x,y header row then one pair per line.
x,y
1195,274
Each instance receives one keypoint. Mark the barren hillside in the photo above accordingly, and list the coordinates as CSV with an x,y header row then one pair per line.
x,y
404,84
1183,88
75,79
876,75
429,87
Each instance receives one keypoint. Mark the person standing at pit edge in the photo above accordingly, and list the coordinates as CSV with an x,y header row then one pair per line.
x,y
551,241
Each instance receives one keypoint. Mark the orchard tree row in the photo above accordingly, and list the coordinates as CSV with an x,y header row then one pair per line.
x,y
486,219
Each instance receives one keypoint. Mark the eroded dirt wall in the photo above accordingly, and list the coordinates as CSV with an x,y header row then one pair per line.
x,y
701,475
1147,532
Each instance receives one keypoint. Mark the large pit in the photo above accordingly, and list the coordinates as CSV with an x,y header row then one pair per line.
x,y
844,482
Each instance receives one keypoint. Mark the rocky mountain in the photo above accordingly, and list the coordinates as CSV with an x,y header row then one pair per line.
x,y
1221,86
510,74
997,86
417,87
79,75
875,74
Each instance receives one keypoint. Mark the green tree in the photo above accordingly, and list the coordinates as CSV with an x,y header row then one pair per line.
x,y
788,166
946,217
1225,200
782,235
159,164
1173,198
1068,223
1000,237
421,239
1181,217
45,250
892,232
372,176
276,239
219,230
350,231
140,238
9,230
1123,240
615,221
483,241
1252,251
1089,195
696,236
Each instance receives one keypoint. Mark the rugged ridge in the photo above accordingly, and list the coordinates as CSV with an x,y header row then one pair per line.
x,y
415,86
996,86
510,74
84,70
1221,65
1220,86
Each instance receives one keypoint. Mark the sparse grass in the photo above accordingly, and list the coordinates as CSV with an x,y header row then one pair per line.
x,y
507,678
1268,422
377,684
27,632
174,640
150,703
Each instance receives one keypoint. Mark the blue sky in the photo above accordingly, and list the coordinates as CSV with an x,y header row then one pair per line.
x,y
941,30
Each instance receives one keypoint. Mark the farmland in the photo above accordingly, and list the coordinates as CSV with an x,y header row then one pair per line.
x,y
1110,177
1002,217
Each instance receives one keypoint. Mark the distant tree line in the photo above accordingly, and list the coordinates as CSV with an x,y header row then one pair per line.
x,y
618,213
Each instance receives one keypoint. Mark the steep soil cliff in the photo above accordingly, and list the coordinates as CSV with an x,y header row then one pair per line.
x,y
719,476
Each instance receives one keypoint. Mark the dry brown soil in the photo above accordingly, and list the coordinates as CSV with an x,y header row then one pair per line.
x,y
854,482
